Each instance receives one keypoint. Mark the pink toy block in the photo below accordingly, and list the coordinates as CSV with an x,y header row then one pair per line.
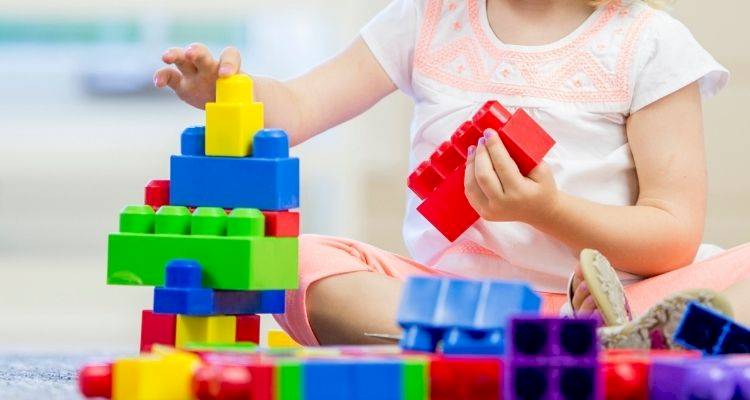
x,y
157,193
157,329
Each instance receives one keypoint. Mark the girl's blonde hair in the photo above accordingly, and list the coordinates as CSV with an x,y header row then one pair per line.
x,y
652,3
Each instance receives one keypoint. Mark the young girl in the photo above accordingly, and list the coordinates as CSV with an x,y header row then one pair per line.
x,y
618,84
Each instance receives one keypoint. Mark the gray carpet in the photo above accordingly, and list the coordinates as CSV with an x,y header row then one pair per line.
x,y
43,376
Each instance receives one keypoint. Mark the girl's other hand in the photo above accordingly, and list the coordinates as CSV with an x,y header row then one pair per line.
x,y
192,72
499,192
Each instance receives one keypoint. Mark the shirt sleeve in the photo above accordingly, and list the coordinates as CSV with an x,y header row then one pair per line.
x,y
392,36
670,59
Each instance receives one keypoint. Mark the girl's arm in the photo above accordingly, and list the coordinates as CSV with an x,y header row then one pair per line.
x,y
660,233
329,94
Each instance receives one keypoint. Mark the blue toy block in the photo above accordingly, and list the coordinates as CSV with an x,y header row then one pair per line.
x,y
184,274
468,316
706,330
183,294
377,380
193,141
228,182
327,380
271,143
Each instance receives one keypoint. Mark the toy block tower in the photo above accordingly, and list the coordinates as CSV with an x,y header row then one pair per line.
x,y
218,241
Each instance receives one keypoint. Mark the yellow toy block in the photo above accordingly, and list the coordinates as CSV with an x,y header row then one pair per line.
x,y
154,377
207,330
233,120
280,340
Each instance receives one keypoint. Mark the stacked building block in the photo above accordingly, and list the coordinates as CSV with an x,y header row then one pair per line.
x,y
439,181
706,330
553,358
218,240
463,316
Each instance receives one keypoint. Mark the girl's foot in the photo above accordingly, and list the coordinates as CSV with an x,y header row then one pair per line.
x,y
655,329
596,290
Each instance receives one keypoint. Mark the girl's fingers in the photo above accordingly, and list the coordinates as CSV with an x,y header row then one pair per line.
x,y
176,56
503,164
167,76
229,62
580,294
486,178
588,306
201,57
474,194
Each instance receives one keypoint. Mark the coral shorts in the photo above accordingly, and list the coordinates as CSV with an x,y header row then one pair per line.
x,y
321,257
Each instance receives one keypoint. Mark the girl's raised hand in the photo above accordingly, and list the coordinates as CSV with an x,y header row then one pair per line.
x,y
499,192
192,72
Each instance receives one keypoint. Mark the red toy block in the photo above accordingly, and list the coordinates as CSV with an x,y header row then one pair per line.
x,y
96,381
157,329
424,180
438,182
526,141
157,193
248,328
448,209
465,136
220,382
466,378
626,373
282,223
446,159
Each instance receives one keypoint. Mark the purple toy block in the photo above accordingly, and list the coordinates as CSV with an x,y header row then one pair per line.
x,y
552,358
709,378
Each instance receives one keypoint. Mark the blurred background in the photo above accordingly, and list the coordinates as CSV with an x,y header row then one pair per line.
x,y
83,130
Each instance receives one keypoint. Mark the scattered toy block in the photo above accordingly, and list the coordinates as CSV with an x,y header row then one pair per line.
x,y
327,379
157,193
222,382
706,330
282,223
270,183
248,328
184,294
157,329
233,119
230,263
439,181
281,340
96,381
553,358
465,378
144,378
216,329
416,378
470,317
377,379
288,379
699,379
626,373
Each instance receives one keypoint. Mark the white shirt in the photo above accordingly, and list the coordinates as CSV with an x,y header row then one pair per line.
x,y
581,89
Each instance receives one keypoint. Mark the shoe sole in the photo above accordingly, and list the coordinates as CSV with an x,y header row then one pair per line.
x,y
655,329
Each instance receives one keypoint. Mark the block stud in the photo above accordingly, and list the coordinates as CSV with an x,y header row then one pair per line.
x,y
137,219
173,220
209,221
193,141
271,143
246,222
184,274
234,89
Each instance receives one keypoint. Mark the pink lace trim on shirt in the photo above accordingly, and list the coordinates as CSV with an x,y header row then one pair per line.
x,y
476,50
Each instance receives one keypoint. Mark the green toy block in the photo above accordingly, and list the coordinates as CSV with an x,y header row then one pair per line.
x,y
416,379
238,347
209,221
230,263
173,220
246,222
137,219
288,380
